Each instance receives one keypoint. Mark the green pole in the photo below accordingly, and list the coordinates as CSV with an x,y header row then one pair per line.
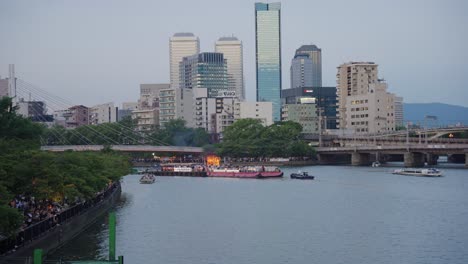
x,y
120,259
38,256
112,236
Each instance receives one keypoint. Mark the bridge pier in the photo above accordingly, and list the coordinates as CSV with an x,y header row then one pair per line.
x,y
414,159
360,159
431,159
466,160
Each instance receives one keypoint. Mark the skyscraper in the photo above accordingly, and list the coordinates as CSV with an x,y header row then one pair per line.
x,y
231,48
181,45
268,55
306,67
301,71
205,70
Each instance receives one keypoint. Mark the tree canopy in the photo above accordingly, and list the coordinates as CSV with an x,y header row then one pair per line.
x,y
249,138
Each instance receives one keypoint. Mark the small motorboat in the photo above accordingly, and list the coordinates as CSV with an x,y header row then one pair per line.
x,y
376,164
302,176
147,179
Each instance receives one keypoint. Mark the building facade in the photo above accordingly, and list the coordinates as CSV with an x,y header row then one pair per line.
x,y
73,117
146,119
181,45
364,105
3,87
205,70
103,113
149,95
399,117
231,48
306,67
324,97
256,110
373,112
353,78
304,114
268,55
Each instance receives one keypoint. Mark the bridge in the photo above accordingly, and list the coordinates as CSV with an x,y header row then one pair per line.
x,y
125,148
415,152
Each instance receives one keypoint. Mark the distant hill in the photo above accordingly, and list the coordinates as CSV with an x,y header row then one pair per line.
x,y
446,114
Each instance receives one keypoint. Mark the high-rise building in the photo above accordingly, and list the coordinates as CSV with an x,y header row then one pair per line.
x,y
353,78
364,105
181,45
399,111
231,48
268,55
205,70
306,67
149,95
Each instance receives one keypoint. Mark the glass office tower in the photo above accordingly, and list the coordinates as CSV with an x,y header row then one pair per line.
x,y
268,55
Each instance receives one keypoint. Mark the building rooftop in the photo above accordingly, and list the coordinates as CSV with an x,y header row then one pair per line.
x,y
308,48
232,38
184,34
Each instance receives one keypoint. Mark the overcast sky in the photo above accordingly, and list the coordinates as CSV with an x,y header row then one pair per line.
x,y
94,52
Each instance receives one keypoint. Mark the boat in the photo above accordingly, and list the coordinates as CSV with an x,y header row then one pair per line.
x,y
302,176
147,179
251,172
431,172
376,164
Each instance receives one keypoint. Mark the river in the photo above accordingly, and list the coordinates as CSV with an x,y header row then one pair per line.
x,y
346,215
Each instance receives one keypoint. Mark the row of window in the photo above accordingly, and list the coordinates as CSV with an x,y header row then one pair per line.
x,y
360,116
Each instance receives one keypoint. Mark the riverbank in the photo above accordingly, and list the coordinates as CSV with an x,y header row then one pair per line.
x,y
49,236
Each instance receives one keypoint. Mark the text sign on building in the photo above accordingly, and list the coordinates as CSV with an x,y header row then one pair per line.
x,y
308,91
223,93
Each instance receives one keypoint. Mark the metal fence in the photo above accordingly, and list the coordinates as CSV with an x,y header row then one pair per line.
x,y
39,229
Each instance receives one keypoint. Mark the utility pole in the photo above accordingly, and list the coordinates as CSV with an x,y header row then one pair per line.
x,y
407,136
320,127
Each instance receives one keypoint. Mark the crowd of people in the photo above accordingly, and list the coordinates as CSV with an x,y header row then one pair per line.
x,y
35,211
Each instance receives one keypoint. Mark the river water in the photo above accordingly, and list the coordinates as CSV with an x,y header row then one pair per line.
x,y
346,215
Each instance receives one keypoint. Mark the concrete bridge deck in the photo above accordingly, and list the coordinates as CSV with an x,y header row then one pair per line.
x,y
125,148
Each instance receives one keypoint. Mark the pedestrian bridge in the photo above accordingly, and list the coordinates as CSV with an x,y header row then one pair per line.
x,y
125,148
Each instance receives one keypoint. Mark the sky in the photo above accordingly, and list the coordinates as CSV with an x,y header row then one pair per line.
x,y
92,52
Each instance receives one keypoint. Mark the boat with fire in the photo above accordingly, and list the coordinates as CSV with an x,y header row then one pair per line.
x,y
249,172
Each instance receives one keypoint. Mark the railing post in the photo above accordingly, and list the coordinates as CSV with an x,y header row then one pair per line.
x,y
38,256
112,236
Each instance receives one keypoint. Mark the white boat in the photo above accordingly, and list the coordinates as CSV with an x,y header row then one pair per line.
x,y
376,164
419,172
147,179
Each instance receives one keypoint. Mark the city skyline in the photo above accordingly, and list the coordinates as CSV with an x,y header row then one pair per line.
x,y
119,46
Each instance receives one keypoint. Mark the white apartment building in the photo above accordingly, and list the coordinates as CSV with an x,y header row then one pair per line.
x,y
255,110
364,105
373,112
103,113
353,78
181,45
147,119
231,48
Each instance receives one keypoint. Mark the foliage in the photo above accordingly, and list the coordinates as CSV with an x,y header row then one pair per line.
x,y
249,138
24,169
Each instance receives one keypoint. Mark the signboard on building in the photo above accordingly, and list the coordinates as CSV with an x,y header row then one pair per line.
x,y
222,93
